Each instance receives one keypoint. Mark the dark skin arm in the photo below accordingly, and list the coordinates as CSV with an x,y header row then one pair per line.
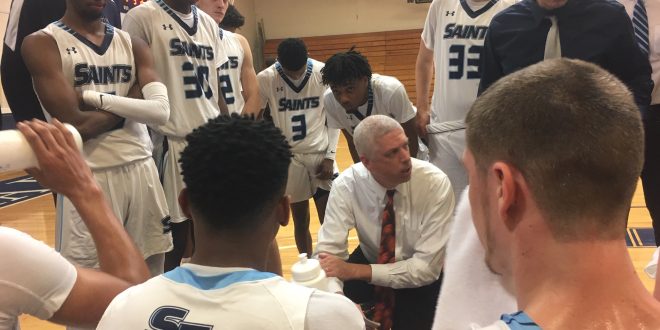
x,y
42,59
410,128
351,146
144,62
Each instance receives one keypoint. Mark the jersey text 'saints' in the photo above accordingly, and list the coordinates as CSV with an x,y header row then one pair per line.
x,y
85,74
454,31
183,48
302,104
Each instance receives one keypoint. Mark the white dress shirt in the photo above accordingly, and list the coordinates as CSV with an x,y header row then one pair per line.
x,y
423,210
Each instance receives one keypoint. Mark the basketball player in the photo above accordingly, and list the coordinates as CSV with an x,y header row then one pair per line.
x,y
355,93
187,49
233,19
238,205
238,80
551,217
293,90
34,279
25,18
81,57
452,40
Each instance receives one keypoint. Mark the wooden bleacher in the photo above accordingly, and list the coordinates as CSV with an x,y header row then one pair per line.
x,y
391,53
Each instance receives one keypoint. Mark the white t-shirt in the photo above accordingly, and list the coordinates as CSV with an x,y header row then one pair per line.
x,y
297,106
108,68
387,96
34,279
186,59
230,72
228,298
455,32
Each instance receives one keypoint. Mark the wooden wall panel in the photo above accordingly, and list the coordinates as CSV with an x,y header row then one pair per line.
x,y
391,53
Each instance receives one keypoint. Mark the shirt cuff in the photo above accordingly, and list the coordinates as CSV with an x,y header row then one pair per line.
x,y
380,274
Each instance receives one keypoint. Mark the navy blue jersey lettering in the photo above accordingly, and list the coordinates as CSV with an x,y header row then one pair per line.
x,y
85,74
454,31
299,104
182,48
172,318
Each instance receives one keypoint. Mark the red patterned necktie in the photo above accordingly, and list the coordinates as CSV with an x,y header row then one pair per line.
x,y
385,296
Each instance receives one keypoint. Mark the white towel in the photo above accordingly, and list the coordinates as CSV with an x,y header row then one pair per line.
x,y
470,293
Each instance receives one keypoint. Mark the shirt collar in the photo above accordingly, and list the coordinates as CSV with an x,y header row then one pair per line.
x,y
378,189
539,13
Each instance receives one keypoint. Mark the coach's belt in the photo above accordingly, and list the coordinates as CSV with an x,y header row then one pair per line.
x,y
444,127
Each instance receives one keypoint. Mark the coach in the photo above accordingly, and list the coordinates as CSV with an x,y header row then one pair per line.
x,y
401,208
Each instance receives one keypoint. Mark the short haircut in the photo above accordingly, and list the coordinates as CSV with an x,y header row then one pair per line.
x,y
343,68
235,170
292,54
233,19
369,130
574,132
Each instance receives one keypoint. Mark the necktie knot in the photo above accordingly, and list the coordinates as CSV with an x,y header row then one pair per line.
x,y
390,193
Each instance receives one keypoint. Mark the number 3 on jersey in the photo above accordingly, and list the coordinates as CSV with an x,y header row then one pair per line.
x,y
458,58
196,80
300,129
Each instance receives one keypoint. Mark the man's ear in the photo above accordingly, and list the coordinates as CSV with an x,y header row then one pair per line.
x,y
283,210
366,162
184,203
507,192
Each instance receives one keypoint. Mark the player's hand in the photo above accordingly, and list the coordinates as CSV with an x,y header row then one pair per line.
x,y
423,119
325,170
336,267
61,166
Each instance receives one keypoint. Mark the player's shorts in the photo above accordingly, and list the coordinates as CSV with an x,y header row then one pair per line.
x,y
302,183
446,146
136,198
171,177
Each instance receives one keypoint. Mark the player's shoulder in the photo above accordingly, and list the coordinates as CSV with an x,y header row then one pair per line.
x,y
145,9
379,80
207,21
338,308
268,73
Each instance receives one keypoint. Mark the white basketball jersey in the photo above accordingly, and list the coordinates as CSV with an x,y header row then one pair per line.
x,y
456,34
210,298
186,58
108,68
297,106
386,96
230,72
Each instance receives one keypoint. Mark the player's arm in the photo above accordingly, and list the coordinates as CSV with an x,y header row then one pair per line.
x,y
423,76
42,59
410,129
351,146
261,96
62,168
249,78
154,109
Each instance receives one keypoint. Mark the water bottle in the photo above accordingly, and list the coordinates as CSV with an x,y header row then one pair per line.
x,y
16,153
308,272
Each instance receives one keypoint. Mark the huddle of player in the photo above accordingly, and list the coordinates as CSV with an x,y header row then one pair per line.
x,y
152,100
